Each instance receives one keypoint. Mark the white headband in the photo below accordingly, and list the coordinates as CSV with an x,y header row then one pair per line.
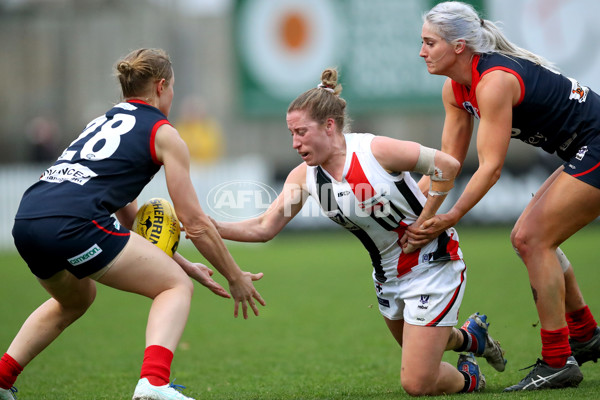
x,y
320,85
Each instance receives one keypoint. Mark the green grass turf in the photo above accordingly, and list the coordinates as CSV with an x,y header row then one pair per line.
x,y
320,337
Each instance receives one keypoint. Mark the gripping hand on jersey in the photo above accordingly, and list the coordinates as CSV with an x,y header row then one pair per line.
x,y
418,235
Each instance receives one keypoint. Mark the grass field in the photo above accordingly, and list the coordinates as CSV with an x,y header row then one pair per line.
x,y
319,337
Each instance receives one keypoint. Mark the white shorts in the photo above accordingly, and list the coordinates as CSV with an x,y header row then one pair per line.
x,y
428,296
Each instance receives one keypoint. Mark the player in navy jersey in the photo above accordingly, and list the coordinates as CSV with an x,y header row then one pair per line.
x,y
66,230
514,93
362,182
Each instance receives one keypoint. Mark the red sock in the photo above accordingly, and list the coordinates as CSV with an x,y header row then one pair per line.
x,y
9,370
582,324
555,347
157,365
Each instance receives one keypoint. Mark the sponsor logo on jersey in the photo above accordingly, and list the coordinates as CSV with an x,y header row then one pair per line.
x,y
423,302
338,217
85,256
343,193
568,142
126,106
471,109
578,92
383,302
581,153
378,288
75,173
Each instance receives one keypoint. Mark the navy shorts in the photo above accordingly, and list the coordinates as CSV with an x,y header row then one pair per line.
x,y
585,165
52,244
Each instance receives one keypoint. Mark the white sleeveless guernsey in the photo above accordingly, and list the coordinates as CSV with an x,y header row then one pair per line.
x,y
376,207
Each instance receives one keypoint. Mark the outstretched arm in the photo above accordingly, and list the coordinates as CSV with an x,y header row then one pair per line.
x,y
285,207
173,152
457,131
497,93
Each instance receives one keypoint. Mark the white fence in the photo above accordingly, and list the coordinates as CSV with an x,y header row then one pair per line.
x,y
502,204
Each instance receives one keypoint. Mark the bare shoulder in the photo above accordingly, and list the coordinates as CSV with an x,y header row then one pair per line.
x,y
499,84
297,175
168,141
166,132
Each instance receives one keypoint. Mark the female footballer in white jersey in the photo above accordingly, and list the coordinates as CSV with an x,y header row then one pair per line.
x,y
362,182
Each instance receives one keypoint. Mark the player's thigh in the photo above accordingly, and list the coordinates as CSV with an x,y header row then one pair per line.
x,y
70,291
537,196
396,327
567,205
145,269
422,351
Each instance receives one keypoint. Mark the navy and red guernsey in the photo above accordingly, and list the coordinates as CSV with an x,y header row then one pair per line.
x,y
102,170
554,112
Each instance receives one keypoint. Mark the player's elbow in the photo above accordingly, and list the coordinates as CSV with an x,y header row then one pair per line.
x,y
453,168
492,172
264,235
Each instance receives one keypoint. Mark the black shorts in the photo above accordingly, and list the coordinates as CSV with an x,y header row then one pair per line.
x,y
585,165
51,244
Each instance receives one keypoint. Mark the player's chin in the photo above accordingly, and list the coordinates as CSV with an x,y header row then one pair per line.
x,y
432,70
310,161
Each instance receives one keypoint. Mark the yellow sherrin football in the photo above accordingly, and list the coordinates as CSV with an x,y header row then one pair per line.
x,y
156,221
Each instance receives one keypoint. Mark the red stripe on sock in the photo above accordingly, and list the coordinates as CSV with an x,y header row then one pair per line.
x,y
157,365
582,324
9,371
555,347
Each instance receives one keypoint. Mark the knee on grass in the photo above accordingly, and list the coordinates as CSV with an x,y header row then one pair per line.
x,y
416,387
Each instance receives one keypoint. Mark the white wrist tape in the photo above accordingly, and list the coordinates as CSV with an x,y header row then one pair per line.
x,y
437,193
426,161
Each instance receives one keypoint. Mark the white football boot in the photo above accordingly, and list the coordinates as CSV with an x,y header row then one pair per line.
x,y
7,394
145,391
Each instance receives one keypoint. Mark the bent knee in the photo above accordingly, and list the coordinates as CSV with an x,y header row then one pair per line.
x,y
184,285
418,387
188,286
523,241
78,303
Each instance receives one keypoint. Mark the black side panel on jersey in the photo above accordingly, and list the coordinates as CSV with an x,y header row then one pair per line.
x,y
326,199
410,197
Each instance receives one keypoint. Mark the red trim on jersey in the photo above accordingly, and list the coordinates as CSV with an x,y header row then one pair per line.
x,y
153,139
406,261
452,248
437,319
587,172
153,133
139,102
358,181
110,232
510,71
457,89
462,93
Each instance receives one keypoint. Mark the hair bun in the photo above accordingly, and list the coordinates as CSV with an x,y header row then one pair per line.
x,y
124,67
